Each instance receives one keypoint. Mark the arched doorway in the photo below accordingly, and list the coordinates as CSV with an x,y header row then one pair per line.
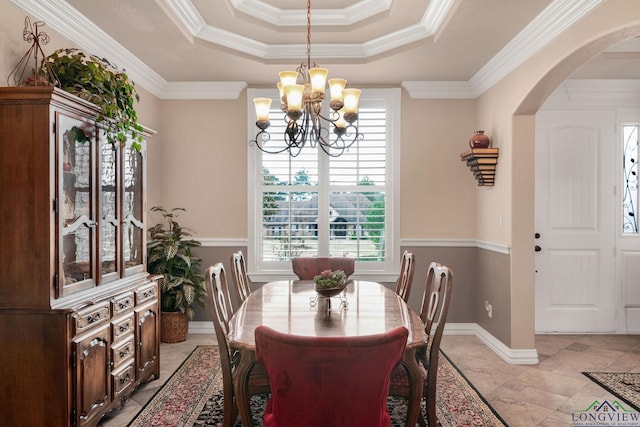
x,y
523,190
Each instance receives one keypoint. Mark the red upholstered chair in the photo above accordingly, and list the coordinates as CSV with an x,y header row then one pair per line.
x,y
306,268
329,381
405,279
435,306
239,275
219,304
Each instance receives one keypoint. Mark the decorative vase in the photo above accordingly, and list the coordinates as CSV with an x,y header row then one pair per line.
x,y
479,140
173,326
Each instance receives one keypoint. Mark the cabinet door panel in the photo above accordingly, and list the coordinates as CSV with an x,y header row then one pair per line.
x,y
134,250
147,333
108,174
77,220
92,374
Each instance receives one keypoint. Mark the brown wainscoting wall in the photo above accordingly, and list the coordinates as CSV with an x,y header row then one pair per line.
x,y
479,275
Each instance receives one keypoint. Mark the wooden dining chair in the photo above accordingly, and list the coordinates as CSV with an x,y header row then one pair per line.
x,y
405,279
240,278
329,381
434,309
306,268
219,303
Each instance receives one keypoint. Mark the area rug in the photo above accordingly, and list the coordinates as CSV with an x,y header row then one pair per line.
x,y
623,385
193,397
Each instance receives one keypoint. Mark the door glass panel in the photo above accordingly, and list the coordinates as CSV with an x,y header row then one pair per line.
x,y
77,216
133,208
630,179
108,207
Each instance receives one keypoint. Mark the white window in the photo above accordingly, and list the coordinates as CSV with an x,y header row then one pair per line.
x,y
317,205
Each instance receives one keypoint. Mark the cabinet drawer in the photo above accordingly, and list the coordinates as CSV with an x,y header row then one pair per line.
x,y
122,380
146,293
122,303
122,351
91,316
122,326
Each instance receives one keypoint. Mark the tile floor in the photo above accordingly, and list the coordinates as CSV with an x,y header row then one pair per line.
x,y
542,395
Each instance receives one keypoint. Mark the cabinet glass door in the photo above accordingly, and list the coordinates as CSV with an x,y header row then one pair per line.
x,y
109,208
76,139
133,210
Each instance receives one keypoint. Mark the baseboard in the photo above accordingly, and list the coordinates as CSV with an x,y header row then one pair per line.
x,y
509,355
201,327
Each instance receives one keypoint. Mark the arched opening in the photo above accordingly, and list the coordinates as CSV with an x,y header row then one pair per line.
x,y
523,183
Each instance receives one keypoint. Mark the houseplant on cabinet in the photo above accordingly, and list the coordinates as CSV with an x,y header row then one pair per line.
x,y
182,283
98,81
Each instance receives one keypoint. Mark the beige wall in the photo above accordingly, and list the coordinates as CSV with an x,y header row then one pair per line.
x,y
201,165
437,199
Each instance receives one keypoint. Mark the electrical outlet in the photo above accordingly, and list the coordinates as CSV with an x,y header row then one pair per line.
x,y
489,308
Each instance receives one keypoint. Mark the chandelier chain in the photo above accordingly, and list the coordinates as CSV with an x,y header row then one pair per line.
x,y
309,33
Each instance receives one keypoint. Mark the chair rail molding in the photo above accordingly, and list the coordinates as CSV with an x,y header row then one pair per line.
x,y
217,242
457,243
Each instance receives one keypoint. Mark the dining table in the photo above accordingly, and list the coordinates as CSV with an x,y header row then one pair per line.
x,y
294,307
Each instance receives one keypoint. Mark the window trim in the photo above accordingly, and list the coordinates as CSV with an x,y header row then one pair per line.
x,y
388,272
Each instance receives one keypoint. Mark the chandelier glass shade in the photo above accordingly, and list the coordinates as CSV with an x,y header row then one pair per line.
x,y
302,97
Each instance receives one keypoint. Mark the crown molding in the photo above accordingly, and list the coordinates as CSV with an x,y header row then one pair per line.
x,y
186,13
70,23
551,22
556,18
202,90
298,17
436,90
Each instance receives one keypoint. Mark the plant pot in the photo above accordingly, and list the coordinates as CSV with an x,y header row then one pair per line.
x,y
173,327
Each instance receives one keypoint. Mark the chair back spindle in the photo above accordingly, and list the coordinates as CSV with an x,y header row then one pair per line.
x,y
405,279
240,278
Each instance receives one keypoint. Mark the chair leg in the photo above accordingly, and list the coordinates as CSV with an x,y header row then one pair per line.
x,y
229,411
431,410
421,421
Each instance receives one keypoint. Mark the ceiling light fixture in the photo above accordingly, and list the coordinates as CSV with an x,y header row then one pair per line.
x,y
302,104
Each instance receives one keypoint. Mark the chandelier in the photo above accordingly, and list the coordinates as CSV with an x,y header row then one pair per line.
x,y
302,104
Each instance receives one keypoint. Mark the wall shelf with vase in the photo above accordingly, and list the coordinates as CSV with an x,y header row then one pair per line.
x,y
482,163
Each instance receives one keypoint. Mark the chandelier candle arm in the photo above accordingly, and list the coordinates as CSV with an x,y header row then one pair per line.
x,y
302,95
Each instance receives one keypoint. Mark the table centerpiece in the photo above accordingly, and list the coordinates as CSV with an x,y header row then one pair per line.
x,y
330,283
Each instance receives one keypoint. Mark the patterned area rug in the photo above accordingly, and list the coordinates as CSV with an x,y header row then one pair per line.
x,y
192,397
625,386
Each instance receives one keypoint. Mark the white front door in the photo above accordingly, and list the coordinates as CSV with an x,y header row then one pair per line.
x,y
575,219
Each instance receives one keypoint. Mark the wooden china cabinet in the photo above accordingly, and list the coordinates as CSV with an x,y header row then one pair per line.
x,y
79,315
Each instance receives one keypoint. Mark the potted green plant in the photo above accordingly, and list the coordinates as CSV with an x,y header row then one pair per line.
x,y
182,283
98,81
